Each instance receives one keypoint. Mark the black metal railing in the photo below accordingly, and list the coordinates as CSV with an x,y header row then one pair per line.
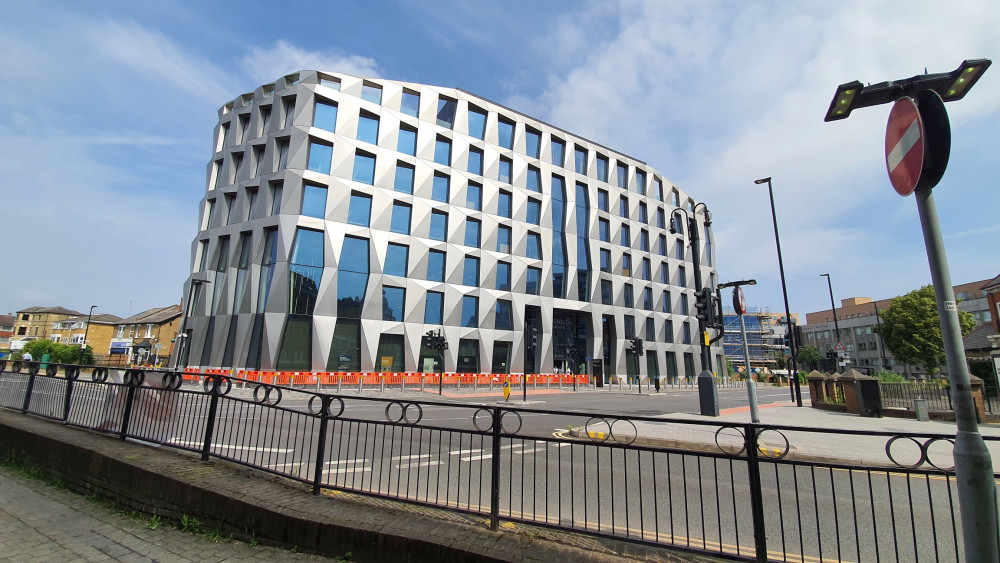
x,y
744,491
902,395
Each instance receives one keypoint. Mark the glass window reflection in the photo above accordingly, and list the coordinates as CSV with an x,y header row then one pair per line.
x,y
470,311
314,201
396,260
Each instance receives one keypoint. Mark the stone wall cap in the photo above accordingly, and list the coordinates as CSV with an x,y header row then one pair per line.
x,y
816,375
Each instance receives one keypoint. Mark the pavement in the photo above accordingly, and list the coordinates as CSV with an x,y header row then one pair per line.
x,y
801,436
41,521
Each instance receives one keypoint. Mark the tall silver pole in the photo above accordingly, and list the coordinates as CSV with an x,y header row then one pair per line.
x,y
751,384
973,465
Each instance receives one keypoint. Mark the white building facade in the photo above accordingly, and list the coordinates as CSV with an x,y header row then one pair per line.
x,y
346,217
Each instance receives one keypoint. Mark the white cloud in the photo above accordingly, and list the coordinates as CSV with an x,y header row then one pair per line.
x,y
266,65
716,94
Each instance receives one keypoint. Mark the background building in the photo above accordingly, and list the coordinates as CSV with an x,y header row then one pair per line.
x,y
346,217
857,319
766,334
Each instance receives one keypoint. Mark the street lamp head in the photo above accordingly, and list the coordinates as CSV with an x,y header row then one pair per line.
x,y
763,181
951,86
824,275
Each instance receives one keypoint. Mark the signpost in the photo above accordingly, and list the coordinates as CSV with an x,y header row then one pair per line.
x,y
506,390
917,147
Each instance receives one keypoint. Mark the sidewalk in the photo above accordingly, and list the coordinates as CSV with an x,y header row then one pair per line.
x,y
710,434
42,522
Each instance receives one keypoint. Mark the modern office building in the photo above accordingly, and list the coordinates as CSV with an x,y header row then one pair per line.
x,y
346,217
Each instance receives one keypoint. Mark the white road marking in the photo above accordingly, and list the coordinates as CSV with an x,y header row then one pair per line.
x,y
283,451
421,464
406,457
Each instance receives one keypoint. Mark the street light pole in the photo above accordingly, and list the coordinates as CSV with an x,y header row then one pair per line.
x,y
707,392
836,325
86,330
878,321
739,305
796,387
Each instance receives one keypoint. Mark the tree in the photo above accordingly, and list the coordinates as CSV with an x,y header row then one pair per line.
x,y
59,353
911,329
779,360
808,356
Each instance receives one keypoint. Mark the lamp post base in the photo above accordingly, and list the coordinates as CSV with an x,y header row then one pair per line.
x,y
708,395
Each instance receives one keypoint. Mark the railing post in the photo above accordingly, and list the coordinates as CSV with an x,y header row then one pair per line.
x,y
66,399
27,393
127,415
495,471
213,406
756,498
324,419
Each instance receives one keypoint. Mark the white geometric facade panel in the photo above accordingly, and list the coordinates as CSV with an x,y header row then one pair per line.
x,y
346,217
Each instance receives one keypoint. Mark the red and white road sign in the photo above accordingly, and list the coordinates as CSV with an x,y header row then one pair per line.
x,y
904,146
840,347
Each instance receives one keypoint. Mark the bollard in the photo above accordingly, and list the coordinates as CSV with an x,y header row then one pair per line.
x,y
548,382
340,382
458,384
361,382
534,382
423,380
402,383
491,383
291,381
317,383
381,387
475,384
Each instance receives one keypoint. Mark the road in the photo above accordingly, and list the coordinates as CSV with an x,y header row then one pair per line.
x,y
446,457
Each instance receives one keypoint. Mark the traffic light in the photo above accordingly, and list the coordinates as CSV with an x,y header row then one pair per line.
x,y
532,337
703,306
638,347
434,340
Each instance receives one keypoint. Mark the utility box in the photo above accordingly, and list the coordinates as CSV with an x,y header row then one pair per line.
x,y
871,397
920,407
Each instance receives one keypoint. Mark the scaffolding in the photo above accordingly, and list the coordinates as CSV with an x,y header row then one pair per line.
x,y
765,337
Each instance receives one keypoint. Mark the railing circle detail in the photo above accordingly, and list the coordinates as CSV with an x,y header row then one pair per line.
x,y
520,422
489,416
927,454
72,373
763,450
920,447
51,370
616,436
406,415
595,435
99,375
743,440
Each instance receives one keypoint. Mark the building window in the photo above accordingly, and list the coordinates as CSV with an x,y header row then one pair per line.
x,y
506,170
477,122
647,299
534,211
687,333
397,257
404,178
470,311
684,304
360,210
605,260
668,332
434,308
314,201
442,151
410,104
446,112
441,187
629,296
644,240
532,142
371,92
580,158
664,273
679,249
675,198
364,168
658,189
325,116
474,196
435,265
626,236
643,213
475,162
646,269
251,204
623,207
607,296
558,152
660,218
407,143
602,169
258,160
505,132
534,247
640,182
505,315
665,305
622,175
534,179
472,227
393,303
533,281
400,218
320,156
470,271
602,200
503,276
439,225
265,120
504,204
282,146
330,82
504,239
604,230
288,107
305,271
276,197
626,264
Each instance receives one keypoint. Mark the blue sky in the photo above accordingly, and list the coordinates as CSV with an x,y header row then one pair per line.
x,y
107,110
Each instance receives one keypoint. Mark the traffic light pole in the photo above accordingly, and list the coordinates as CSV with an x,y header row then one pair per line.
x,y
707,392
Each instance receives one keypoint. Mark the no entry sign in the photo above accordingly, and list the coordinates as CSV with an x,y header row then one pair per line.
x,y
904,146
